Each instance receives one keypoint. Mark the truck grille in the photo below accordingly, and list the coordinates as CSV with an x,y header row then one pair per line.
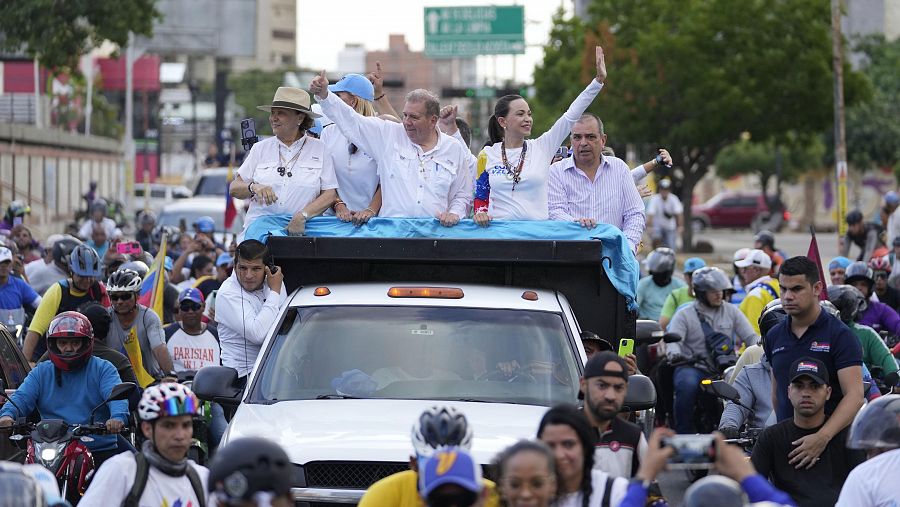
x,y
349,475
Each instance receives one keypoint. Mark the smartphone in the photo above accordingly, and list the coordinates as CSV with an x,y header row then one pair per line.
x,y
129,247
562,151
248,133
691,451
211,301
626,346
182,224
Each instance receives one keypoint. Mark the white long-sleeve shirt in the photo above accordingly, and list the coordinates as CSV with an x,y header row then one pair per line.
x,y
414,184
529,199
357,173
244,319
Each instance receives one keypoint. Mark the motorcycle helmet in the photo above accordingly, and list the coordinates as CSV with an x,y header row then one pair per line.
x,y
892,199
854,217
169,399
715,490
880,264
98,205
848,300
173,234
70,325
764,238
661,261
710,279
62,249
829,307
877,425
771,316
139,267
440,427
858,271
84,261
146,217
16,209
124,280
247,466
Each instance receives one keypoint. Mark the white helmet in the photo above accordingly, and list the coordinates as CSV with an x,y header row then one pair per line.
x,y
440,427
168,399
124,280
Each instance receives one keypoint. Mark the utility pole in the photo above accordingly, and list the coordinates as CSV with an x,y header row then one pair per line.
x,y
840,146
128,166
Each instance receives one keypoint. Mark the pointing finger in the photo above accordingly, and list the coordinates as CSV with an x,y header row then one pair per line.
x,y
378,66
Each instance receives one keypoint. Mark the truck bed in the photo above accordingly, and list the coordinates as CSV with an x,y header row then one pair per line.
x,y
573,268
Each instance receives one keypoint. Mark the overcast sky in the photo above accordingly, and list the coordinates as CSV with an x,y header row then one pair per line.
x,y
320,36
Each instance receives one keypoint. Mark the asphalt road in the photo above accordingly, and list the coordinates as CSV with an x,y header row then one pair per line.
x,y
726,241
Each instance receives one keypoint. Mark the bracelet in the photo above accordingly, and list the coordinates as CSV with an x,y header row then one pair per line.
x,y
250,189
379,97
370,209
335,205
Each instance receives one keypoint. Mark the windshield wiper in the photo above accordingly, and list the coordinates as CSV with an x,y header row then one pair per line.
x,y
336,397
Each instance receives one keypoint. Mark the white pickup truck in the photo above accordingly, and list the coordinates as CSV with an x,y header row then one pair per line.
x,y
377,331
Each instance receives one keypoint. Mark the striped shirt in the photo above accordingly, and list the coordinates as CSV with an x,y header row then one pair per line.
x,y
611,198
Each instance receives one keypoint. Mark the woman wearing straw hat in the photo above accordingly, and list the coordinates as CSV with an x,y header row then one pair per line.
x,y
356,171
289,173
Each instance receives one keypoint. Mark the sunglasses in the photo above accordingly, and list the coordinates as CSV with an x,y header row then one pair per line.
x,y
121,297
189,307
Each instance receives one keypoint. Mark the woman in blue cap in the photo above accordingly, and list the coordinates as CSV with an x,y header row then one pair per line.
x,y
359,197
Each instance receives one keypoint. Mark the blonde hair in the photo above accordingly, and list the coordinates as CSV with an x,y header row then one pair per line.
x,y
364,107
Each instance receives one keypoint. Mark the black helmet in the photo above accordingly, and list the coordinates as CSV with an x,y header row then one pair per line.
x,y
854,217
848,300
63,248
98,205
661,261
829,307
440,427
771,315
248,466
877,425
99,318
147,217
857,271
710,278
173,234
765,238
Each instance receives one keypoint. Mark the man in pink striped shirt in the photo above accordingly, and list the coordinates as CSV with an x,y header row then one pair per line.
x,y
591,189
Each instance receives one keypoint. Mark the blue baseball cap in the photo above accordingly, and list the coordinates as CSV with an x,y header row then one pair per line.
x,y
224,260
839,262
205,224
192,294
450,465
357,84
693,264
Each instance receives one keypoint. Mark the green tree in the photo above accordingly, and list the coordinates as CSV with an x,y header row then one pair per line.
x,y
58,32
693,75
873,127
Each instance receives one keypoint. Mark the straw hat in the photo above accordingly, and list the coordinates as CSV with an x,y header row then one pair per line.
x,y
291,98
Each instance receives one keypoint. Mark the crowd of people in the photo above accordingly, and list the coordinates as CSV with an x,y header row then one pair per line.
x,y
813,364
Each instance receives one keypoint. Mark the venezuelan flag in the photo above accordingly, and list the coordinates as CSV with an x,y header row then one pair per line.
x,y
230,209
154,284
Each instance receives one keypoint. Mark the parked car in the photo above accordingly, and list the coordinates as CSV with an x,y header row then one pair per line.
x,y
213,181
160,195
737,210
13,370
195,207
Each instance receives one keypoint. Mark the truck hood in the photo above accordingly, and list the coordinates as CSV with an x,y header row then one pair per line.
x,y
374,429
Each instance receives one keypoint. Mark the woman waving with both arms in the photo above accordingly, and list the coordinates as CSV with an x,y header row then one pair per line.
x,y
513,171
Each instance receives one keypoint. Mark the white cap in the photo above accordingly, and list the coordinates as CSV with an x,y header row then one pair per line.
x,y
5,254
755,258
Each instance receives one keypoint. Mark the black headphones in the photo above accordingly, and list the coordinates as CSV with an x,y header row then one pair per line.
x,y
268,258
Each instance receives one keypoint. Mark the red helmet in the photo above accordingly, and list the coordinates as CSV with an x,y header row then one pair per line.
x,y
880,264
70,325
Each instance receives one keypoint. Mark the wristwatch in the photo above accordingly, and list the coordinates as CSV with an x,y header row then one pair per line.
x,y
305,215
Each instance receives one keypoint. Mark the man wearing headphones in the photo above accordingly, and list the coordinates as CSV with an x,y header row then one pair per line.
x,y
247,306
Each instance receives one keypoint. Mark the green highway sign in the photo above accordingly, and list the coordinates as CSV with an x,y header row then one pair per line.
x,y
452,32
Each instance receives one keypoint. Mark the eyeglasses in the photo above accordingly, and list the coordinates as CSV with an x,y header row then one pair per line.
x,y
879,275
189,306
121,297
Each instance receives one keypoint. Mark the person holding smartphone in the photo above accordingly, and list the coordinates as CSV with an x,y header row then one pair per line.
x,y
289,173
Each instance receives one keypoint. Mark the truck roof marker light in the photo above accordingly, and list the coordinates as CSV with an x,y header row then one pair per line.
x,y
426,292
530,295
321,291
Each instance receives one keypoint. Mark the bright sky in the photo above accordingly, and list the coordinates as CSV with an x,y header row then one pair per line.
x,y
321,35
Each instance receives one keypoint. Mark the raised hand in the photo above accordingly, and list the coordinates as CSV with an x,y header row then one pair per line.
x,y
377,79
447,120
601,64
319,86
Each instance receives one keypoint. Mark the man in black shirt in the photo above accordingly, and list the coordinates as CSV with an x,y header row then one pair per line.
x,y
775,455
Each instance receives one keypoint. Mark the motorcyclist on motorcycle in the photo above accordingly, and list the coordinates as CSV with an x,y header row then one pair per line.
x,y
708,328
867,236
874,314
653,289
876,356
160,474
71,384
881,272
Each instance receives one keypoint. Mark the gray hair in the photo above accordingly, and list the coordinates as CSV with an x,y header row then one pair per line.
x,y
432,104
587,116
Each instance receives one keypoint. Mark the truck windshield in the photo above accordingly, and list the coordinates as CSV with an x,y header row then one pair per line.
x,y
422,353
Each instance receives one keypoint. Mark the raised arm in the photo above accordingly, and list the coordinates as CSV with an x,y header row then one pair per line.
x,y
557,134
382,104
364,131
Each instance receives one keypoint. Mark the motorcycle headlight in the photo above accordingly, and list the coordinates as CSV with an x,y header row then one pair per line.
x,y
48,454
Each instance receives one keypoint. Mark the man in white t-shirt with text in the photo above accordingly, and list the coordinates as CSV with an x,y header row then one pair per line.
x,y
665,217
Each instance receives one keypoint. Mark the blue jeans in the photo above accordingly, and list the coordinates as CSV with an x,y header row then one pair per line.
x,y
217,425
687,384
666,237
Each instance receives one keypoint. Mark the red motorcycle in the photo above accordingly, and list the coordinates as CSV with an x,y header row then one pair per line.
x,y
60,446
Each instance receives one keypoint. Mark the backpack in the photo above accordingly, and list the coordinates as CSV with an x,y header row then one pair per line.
x,y
719,345
140,483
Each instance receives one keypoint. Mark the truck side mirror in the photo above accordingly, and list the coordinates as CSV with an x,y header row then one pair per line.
x,y
648,332
218,384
